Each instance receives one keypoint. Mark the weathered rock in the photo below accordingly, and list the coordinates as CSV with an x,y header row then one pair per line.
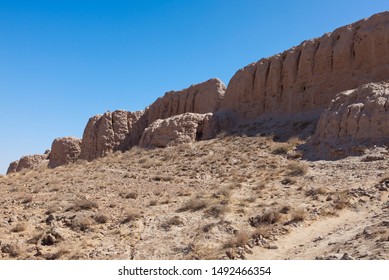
x,y
180,129
200,98
301,82
13,167
64,150
110,132
30,162
121,130
355,118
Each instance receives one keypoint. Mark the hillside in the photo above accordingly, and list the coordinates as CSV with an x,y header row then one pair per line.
x,y
231,197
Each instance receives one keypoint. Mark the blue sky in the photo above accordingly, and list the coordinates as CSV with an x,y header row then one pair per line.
x,y
62,62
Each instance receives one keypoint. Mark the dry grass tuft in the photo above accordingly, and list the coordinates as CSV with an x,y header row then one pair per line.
x,y
194,204
268,217
298,215
297,169
130,216
19,227
175,221
216,211
101,218
316,191
281,148
239,240
132,195
84,204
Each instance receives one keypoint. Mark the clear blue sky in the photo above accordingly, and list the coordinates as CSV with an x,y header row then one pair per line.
x,y
62,62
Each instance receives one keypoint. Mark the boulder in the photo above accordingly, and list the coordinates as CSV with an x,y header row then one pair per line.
x,y
201,98
301,82
13,167
64,150
110,132
354,119
30,162
180,129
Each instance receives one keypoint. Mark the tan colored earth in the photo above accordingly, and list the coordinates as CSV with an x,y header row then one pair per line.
x,y
231,197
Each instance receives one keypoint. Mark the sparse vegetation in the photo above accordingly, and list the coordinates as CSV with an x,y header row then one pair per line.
x,y
132,195
270,216
238,241
213,191
194,204
297,169
130,216
19,227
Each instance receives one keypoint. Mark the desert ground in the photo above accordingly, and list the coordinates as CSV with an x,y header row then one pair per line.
x,y
238,196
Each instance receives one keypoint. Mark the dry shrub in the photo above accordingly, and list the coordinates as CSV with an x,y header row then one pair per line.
x,y
26,199
261,232
82,224
11,249
298,215
194,204
281,149
316,191
216,211
268,217
56,255
341,201
36,237
19,227
163,178
130,216
132,195
175,221
297,169
294,141
153,202
84,204
101,218
222,193
239,240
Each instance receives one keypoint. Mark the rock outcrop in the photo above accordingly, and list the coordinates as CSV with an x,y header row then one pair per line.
x,y
120,130
30,162
179,129
353,119
110,132
302,81
201,98
64,150
13,166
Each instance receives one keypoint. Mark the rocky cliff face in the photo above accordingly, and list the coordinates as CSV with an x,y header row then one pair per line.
x,y
355,118
64,150
121,130
180,129
27,162
304,79
110,132
200,98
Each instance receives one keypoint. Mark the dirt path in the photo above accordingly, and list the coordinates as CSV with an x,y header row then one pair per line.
x,y
317,239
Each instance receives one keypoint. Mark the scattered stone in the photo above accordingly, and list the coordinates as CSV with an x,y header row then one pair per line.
x,y
319,238
347,257
48,240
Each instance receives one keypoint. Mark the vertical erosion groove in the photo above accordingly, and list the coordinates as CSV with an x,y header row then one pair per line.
x,y
265,86
297,64
314,57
